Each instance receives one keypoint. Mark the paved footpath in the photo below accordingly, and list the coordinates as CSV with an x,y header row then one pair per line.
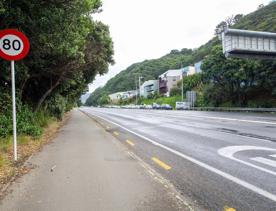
x,y
91,171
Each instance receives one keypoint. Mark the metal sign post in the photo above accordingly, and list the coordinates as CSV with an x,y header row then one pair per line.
x,y
14,112
14,46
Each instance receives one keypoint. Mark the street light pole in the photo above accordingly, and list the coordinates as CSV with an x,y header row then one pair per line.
x,y
136,91
139,86
182,89
182,93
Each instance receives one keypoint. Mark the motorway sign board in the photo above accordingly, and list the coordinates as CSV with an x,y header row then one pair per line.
x,y
249,44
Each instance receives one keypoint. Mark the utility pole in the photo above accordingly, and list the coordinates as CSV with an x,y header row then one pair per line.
x,y
139,86
182,93
140,77
136,91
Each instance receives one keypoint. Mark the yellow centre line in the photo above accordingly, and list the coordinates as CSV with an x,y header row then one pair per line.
x,y
160,163
226,208
116,133
130,143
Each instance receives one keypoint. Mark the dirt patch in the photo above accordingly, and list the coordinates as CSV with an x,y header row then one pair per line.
x,y
10,170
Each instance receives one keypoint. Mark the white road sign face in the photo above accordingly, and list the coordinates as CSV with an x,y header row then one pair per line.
x,y
11,45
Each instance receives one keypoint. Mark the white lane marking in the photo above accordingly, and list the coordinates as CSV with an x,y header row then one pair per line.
x,y
229,152
222,118
234,179
265,161
209,117
274,156
175,127
233,119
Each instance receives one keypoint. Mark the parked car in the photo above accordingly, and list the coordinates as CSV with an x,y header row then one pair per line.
x,y
166,107
156,106
182,105
142,106
149,107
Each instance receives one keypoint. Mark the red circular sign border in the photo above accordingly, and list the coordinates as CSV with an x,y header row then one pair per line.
x,y
24,40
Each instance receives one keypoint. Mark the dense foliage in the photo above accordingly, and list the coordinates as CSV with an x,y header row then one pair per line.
x,y
67,50
231,82
238,82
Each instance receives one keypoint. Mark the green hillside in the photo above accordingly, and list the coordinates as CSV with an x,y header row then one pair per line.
x,y
151,69
263,19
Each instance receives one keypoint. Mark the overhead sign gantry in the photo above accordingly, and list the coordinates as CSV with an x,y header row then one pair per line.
x,y
249,44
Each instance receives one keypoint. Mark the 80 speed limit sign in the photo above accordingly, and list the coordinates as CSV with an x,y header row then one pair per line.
x,y
14,45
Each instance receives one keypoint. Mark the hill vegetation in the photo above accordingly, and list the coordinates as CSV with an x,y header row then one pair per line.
x,y
242,82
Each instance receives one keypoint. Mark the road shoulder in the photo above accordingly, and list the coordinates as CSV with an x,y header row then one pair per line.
x,y
86,168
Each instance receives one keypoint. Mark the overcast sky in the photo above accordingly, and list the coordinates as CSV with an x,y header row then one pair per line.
x,y
148,29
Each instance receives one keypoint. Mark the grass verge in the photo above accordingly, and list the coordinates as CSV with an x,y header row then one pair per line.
x,y
27,146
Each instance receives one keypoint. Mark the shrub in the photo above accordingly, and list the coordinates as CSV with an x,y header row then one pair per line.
x,y
1,161
28,122
57,106
175,91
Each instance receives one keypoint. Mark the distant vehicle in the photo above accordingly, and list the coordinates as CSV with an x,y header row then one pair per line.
x,y
131,106
143,106
148,107
156,106
166,107
115,106
182,105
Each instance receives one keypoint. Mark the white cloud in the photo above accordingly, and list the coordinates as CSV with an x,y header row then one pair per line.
x,y
146,29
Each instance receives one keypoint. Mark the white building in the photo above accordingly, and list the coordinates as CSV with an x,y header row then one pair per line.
x,y
115,97
198,66
168,80
189,70
148,87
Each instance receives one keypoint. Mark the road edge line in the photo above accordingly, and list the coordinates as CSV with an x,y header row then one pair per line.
x,y
234,179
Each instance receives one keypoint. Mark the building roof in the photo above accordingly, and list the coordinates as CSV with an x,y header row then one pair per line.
x,y
172,73
149,82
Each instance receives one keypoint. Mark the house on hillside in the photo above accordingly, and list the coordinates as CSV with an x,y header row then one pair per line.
x,y
115,97
148,87
189,70
198,66
168,80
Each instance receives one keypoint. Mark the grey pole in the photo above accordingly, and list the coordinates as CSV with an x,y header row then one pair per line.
x,y
136,91
14,112
182,84
182,89
139,85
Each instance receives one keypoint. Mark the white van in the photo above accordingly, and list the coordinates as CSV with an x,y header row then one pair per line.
x,y
182,105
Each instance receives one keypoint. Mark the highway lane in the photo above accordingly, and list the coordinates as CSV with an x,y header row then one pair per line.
x,y
217,159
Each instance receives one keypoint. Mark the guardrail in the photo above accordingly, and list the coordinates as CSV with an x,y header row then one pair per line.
x,y
270,110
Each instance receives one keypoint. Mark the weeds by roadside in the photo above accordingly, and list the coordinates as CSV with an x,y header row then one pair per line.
x,y
27,145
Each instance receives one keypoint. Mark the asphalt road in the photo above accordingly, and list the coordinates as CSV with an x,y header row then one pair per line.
x,y
218,160
86,168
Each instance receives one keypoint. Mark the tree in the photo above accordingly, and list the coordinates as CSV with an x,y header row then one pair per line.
x,y
104,100
237,80
175,91
68,49
228,22
189,82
